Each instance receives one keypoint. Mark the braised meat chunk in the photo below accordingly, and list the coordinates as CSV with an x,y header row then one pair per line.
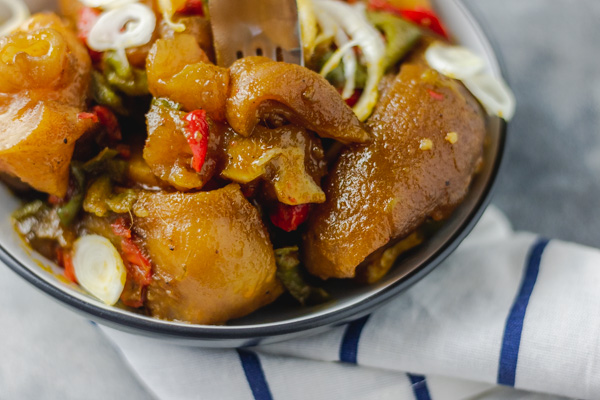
x,y
173,187
45,78
168,153
180,70
289,158
428,141
212,255
259,84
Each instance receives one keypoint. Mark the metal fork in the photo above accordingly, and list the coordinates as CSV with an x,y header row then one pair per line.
x,y
243,28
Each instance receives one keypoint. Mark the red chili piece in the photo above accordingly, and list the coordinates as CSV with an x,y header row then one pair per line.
x,y
54,200
85,21
435,95
352,100
69,268
192,7
197,137
132,254
120,228
107,118
139,265
66,261
139,269
427,19
87,115
420,16
289,218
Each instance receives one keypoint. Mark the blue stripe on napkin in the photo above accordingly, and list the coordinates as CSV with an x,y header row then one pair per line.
x,y
255,375
511,342
349,346
419,387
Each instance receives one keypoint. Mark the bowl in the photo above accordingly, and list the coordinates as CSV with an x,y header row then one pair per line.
x,y
280,322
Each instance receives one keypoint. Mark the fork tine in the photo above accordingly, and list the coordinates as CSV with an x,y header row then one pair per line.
x,y
293,56
260,46
251,48
244,25
269,49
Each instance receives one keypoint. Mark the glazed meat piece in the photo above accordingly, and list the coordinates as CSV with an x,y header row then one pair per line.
x,y
168,153
45,76
259,84
212,257
428,142
198,27
179,69
289,158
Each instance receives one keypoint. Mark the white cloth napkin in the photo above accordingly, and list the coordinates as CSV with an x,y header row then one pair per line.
x,y
505,308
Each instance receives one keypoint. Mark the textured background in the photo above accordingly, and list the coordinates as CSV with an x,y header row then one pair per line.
x,y
549,184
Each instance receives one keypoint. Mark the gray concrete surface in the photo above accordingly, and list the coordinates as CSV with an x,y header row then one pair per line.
x,y
549,185
551,178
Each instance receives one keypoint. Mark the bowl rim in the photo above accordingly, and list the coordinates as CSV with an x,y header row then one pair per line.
x,y
155,327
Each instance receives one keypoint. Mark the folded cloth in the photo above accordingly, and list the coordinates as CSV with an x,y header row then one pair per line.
x,y
505,308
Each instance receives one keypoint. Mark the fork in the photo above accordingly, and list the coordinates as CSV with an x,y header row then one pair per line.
x,y
243,28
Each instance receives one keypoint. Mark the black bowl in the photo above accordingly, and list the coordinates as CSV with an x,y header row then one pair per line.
x,y
283,321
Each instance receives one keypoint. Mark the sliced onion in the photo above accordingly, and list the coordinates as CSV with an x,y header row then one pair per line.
x,y
328,27
99,268
18,13
344,52
350,65
308,26
456,62
122,28
493,94
353,20
461,63
106,4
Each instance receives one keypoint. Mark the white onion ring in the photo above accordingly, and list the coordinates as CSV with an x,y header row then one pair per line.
x,y
455,62
99,268
493,94
353,20
138,20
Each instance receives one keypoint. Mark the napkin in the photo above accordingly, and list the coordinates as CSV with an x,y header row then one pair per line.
x,y
506,308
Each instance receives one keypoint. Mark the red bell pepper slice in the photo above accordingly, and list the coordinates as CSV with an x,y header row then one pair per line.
x,y
65,259
419,16
54,200
69,268
289,218
192,7
85,21
88,115
107,118
352,100
120,229
139,269
427,19
138,266
197,135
